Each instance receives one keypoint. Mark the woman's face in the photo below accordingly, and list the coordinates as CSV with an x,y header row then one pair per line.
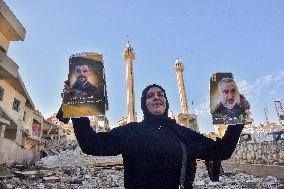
x,y
156,101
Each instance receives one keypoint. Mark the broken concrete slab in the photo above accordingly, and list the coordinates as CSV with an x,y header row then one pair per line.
x,y
51,179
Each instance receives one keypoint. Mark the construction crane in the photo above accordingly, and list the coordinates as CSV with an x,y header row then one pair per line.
x,y
279,110
266,115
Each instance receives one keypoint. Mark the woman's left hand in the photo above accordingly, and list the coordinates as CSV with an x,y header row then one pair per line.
x,y
244,104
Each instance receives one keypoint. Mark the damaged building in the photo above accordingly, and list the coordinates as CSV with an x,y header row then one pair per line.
x,y
20,123
53,129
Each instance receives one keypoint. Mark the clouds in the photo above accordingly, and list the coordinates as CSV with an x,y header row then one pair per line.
x,y
262,91
268,84
203,109
245,88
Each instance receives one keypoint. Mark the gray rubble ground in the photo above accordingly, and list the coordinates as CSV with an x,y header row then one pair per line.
x,y
65,177
67,167
231,180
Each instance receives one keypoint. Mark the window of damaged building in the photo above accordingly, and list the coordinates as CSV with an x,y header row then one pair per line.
x,y
1,93
16,105
24,116
36,128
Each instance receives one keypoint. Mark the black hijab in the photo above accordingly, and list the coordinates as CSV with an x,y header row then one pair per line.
x,y
150,118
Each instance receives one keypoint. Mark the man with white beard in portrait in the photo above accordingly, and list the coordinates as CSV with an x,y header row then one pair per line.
x,y
230,106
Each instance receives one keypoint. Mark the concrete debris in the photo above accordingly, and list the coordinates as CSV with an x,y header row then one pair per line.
x,y
235,180
89,176
199,183
54,147
67,177
77,158
26,174
50,179
68,167
213,183
69,154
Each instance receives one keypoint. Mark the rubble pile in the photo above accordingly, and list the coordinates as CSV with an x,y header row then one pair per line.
x,y
112,177
62,177
54,147
65,166
236,179
69,154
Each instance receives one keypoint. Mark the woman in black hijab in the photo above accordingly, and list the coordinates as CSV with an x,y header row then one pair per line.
x,y
155,150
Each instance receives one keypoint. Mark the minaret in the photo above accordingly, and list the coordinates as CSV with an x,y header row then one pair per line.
x,y
179,70
129,57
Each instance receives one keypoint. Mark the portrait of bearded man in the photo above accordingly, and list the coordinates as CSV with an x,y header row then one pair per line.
x,y
229,105
82,86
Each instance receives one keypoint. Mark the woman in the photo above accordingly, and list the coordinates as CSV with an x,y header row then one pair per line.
x,y
151,150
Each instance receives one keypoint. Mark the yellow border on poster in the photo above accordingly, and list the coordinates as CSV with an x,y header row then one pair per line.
x,y
71,111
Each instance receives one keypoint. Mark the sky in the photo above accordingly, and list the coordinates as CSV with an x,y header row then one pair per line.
x,y
243,37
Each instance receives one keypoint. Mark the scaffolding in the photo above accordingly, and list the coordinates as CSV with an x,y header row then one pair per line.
x,y
279,110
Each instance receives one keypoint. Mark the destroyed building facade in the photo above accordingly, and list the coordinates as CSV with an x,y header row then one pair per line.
x,y
20,123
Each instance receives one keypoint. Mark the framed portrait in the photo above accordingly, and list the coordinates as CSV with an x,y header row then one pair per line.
x,y
88,95
225,100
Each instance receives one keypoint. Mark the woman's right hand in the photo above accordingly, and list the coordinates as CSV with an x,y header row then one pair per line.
x,y
59,114
66,88
67,85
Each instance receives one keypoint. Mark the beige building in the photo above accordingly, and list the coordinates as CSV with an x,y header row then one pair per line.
x,y
188,120
100,123
20,123
53,129
122,121
265,128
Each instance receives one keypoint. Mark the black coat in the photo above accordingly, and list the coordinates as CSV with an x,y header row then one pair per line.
x,y
151,153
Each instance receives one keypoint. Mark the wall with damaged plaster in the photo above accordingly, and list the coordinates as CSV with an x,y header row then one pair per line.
x,y
268,153
11,152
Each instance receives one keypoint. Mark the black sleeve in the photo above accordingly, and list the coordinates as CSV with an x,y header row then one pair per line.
x,y
100,144
208,149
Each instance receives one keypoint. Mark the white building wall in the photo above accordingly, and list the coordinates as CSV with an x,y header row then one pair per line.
x,y
9,94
